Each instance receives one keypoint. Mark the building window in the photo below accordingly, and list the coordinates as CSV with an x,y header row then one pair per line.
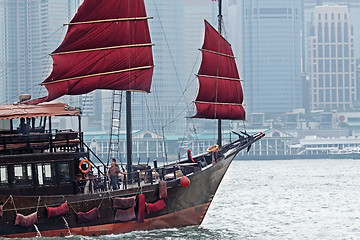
x,y
340,65
333,51
327,51
327,80
333,80
347,80
321,95
320,65
346,50
340,50
326,32
347,95
340,80
346,34
333,65
320,51
319,33
327,66
340,94
333,95
346,65
332,32
339,35
327,95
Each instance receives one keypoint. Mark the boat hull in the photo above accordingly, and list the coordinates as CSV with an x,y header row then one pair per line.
x,y
184,207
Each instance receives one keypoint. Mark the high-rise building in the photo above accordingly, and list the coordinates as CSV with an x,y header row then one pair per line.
x,y
271,54
354,15
31,31
154,111
332,69
2,50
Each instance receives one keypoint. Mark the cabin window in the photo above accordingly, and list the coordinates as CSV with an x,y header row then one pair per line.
x,y
64,172
3,176
22,175
46,174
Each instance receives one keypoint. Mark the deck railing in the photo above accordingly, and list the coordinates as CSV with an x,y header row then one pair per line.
x,y
17,143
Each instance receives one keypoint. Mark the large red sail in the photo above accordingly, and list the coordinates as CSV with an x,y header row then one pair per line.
x,y
220,93
107,46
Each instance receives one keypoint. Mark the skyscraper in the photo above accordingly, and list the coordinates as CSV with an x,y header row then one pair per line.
x,y
354,14
2,50
153,111
332,68
30,32
271,54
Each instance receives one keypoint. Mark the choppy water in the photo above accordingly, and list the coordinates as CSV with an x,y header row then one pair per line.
x,y
295,199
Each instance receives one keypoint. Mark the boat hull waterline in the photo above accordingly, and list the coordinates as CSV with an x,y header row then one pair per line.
x,y
184,207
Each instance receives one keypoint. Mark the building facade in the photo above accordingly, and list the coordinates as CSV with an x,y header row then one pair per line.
x,y
31,31
271,54
354,14
332,70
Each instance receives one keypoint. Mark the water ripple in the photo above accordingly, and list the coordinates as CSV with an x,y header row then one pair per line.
x,y
297,199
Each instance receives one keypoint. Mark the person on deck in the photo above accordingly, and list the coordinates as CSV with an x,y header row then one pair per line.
x,y
89,186
114,173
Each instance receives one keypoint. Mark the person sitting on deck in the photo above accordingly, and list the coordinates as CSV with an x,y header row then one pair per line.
x,y
114,173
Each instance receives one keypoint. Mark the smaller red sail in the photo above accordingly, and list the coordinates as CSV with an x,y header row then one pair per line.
x,y
107,46
220,93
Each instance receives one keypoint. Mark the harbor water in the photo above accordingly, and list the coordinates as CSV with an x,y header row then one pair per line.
x,y
285,199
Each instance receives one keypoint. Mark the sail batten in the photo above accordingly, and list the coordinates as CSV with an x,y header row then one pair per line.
x,y
217,103
220,93
225,78
99,74
110,20
218,53
107,46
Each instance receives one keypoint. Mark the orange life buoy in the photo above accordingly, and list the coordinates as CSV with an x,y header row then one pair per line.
x,y
213,148
88,165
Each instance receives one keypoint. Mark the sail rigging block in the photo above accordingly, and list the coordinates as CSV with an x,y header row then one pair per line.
x,y
220,93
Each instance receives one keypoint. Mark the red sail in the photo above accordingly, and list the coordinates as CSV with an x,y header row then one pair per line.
x,y
220,93
107,46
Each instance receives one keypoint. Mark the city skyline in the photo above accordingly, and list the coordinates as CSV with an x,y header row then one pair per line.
x,y
271,60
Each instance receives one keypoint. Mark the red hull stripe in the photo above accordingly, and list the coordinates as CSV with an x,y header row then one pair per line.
x,y
187,217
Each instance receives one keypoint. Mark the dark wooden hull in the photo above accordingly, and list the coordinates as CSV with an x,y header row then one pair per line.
x,y
184,206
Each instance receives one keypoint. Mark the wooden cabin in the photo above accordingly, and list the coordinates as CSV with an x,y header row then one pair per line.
x,y
34,158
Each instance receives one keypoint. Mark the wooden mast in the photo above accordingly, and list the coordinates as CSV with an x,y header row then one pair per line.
x,y
219,29
128,136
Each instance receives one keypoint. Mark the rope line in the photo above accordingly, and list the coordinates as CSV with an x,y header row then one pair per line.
x,y
6,200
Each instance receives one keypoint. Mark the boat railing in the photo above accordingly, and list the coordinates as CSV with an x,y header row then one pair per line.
x,y
139,178
15,143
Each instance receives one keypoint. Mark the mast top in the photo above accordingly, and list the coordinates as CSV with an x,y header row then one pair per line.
x,y
220,16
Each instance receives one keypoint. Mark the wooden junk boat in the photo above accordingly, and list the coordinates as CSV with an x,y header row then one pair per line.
x,y
43,170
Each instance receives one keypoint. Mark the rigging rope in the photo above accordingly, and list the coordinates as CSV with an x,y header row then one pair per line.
x,y
2,73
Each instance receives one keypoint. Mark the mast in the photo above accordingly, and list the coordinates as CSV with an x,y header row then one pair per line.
x,y
128,135
219,29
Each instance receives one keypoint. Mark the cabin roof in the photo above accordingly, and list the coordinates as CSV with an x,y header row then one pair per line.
x,y
40,110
